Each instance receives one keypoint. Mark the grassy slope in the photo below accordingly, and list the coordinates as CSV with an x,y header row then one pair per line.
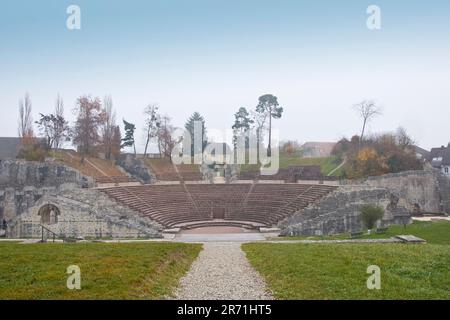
x,y
437,232
108,271
106,166
326,164
318,271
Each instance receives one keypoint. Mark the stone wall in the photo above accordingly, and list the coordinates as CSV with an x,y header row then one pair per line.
x,y
339,212
136,168
22,183
19,174
25,187
412,187
83,213
15,202
444,190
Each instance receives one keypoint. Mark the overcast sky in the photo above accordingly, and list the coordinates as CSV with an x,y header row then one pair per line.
x,y
318,58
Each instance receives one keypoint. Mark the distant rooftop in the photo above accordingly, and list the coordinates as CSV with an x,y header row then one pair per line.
x,y
9,147
440,156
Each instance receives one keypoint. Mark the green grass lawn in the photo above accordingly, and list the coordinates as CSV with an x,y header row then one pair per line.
x,y
436,232
108,271
338,271
326,164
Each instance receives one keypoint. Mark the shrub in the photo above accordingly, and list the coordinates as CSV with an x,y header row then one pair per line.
x,y
32,149
370,214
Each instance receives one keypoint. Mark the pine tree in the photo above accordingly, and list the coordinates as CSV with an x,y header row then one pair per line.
x,y
189,126
128,140
242,124
268,105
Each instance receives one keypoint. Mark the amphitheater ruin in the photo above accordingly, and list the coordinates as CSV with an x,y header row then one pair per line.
x,y
136,198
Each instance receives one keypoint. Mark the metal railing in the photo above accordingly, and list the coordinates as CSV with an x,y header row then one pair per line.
x,y
44,239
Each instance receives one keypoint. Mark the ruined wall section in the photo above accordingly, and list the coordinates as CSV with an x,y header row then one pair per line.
x,y
136,168
339,212
415,189
18,174
84,213
444,191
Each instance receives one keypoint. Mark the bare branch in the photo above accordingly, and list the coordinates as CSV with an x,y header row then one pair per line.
x,y
367,110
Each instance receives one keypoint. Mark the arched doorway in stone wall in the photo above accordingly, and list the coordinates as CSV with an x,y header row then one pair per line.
x,y
49,214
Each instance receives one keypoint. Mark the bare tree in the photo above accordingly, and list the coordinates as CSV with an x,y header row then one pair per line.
x,y
61,129
152,123
90,118
166,140
53,128
367,110
116,142
25,117
108,126
403,139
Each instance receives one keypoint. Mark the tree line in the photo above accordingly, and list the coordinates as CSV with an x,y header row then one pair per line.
x,y
95,129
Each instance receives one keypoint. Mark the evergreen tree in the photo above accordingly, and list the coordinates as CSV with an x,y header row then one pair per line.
x,y
242,124
128,140
189,126
268,105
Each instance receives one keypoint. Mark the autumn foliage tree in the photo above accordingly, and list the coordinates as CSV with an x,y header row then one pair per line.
x,y
165,137
90,117
368,162
290,148
377,155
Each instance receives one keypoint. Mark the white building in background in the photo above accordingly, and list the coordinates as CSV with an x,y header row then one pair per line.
x,y
317,149
440,159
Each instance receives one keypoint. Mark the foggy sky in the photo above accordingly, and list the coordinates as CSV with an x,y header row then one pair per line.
x,y
214,57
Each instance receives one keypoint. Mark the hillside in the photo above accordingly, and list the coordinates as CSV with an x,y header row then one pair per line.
x,y
166,171
326,164
92,167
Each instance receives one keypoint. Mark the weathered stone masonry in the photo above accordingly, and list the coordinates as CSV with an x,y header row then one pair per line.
x,y
400,193
412,187
83,213
19,174
25,187
136,168
339,212
444,191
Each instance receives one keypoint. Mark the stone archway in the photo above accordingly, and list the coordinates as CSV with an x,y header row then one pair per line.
x,y
49,214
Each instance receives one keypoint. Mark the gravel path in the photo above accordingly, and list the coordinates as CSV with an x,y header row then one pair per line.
x,y
222,272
